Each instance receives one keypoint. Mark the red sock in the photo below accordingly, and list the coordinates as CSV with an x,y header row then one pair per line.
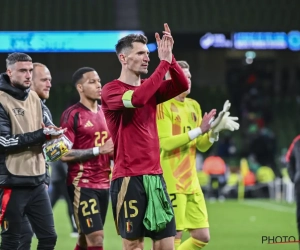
x,y
79,247
95,248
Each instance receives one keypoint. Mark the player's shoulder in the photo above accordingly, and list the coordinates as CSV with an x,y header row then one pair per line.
x,y
35,98
192,102
111,88
74,108
111,84
71,111
34,95
164,106
167,103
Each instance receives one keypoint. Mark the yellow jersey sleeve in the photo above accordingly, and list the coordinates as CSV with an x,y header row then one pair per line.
x,y
167,140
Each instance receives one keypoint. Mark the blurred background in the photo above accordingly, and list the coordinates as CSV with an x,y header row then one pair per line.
x,y
244,51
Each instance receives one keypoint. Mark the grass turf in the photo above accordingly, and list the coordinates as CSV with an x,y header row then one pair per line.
x,y
234,225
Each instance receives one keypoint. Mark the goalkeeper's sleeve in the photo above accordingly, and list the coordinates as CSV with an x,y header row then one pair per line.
x,y
173,142
167,140
204,142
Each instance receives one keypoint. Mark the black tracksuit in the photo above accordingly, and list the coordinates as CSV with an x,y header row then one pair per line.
x,y
22,168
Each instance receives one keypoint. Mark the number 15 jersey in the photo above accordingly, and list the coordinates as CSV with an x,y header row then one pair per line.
x,y
86,129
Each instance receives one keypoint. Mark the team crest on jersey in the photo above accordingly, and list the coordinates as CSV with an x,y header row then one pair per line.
x,y
194,117
129,226
18,111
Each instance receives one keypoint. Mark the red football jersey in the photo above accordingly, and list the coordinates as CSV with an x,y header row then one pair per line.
x,y
86,129
134,130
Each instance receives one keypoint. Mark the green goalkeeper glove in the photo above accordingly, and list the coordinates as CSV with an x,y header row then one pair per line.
x,y
226,123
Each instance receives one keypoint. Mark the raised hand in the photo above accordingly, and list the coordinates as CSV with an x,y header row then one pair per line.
x,y
206,121
168,39
166,32
165,49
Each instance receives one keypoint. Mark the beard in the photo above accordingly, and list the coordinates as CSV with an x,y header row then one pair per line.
x,y
137,71
140,72
20,85
41,94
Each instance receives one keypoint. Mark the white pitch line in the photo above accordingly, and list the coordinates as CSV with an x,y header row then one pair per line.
x,y
269,206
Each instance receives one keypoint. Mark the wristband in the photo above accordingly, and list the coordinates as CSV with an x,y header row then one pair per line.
x,y
194,133
96,151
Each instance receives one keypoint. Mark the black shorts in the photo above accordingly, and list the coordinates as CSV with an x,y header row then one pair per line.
x,y
90,208
131,201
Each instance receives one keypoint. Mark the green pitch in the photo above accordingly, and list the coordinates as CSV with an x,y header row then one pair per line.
x,y
234,226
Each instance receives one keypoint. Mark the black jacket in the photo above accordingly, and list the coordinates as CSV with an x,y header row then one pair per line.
x,y
47,114
293,161
20,141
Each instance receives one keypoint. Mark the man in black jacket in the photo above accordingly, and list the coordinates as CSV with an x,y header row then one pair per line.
x,y
22,165
293,161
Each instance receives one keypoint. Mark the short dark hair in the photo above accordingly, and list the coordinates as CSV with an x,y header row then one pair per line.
x,y
17,57
79,74
126,41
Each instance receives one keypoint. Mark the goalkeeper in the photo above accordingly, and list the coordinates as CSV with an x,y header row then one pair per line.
x,y
182,130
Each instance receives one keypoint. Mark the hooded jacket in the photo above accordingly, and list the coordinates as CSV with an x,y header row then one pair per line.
x,y
21,136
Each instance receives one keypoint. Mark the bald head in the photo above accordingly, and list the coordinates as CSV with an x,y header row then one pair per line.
x,y
41,80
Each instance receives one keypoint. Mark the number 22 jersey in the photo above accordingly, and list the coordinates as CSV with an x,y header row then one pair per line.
x,y
86,129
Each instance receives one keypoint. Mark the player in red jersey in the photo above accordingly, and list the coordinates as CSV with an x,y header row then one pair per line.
x,y
88,160
141,205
